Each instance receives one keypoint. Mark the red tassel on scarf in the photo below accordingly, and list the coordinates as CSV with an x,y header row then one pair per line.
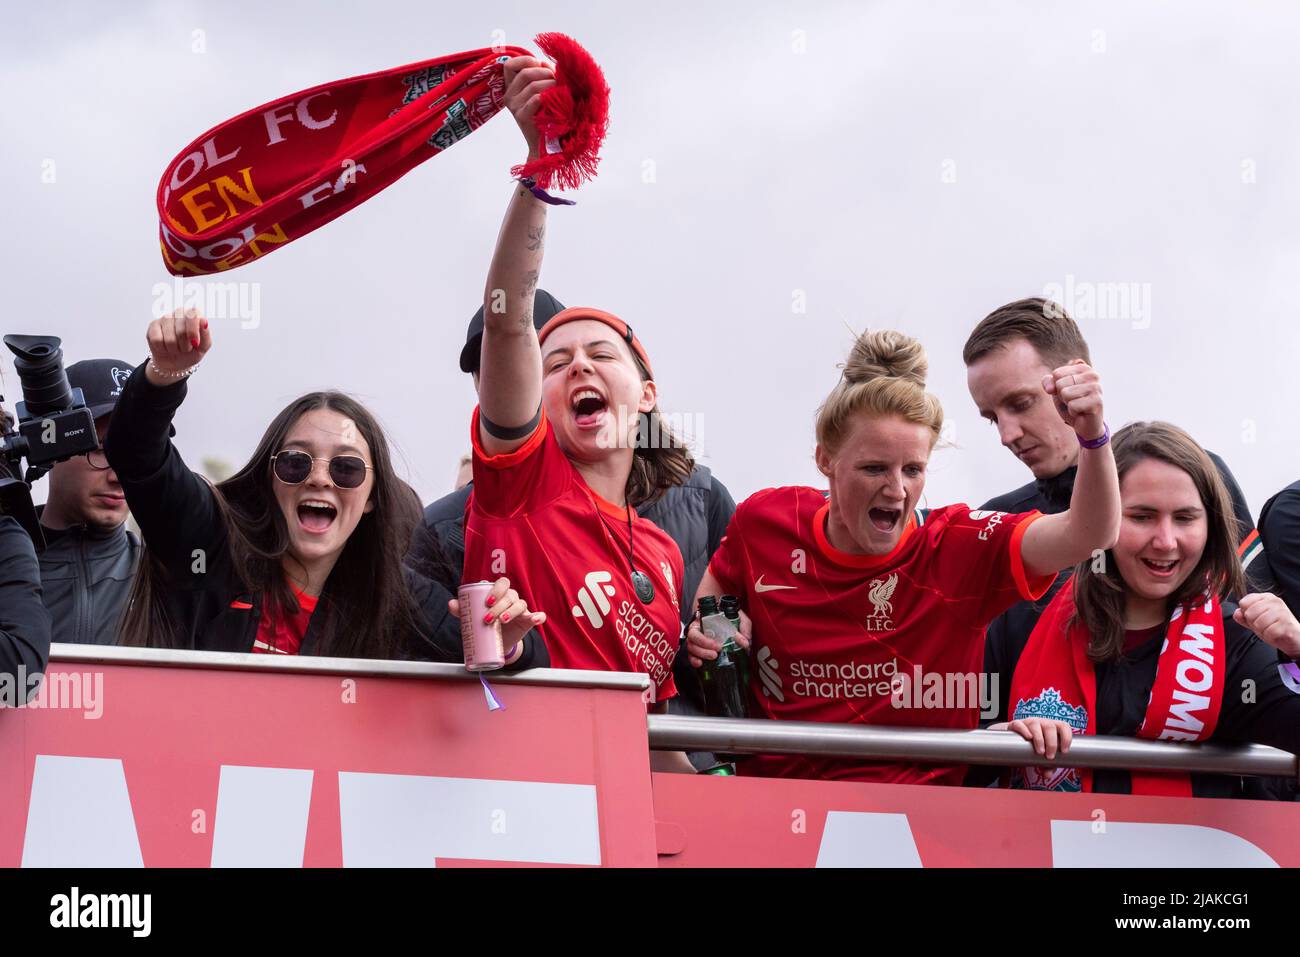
x,y
573,114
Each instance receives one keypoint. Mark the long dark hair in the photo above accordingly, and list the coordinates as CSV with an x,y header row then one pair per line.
x,y
367,607
1100,596
660,460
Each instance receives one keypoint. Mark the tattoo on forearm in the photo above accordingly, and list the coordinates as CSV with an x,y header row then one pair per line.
x,y
526,297
536,234
530,283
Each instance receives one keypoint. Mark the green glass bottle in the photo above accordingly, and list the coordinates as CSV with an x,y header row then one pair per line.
x,y
730,606
722,678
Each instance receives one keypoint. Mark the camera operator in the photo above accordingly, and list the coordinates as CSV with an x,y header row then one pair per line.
x,y
24,621
90,556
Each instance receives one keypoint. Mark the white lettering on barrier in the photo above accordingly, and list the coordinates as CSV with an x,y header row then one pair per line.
x,y
867,839
407,820
1130,844
875,839
80,815
261,817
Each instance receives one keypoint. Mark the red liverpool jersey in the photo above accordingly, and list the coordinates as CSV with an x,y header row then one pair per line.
x,y
894,639
533,518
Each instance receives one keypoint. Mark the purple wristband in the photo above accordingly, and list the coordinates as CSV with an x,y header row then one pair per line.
x,y
1097,442
530,184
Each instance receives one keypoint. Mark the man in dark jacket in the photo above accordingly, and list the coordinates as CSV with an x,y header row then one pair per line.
x,y
694,515
90,556
1006,357
1279,529
24,620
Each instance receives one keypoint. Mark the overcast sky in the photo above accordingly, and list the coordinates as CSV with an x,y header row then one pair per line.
x,y
776,174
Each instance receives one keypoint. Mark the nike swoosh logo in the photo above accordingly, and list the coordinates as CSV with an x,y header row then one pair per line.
x,y
760,587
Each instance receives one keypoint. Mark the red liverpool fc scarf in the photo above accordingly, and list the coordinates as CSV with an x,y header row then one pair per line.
x,y
273,174
1055,679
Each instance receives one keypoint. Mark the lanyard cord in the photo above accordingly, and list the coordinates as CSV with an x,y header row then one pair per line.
x,y
631,545
641,582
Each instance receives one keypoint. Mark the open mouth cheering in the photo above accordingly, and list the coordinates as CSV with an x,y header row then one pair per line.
x,y
587,404
884,519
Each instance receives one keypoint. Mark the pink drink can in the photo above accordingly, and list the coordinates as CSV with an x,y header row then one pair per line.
x,y
482,642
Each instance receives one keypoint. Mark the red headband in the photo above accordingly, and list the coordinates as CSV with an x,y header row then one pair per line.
x,y
275,173
608,318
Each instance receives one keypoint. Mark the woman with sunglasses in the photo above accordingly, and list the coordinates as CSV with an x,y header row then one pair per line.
x,y
300,552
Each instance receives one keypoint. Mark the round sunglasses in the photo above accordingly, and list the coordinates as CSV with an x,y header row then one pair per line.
x,y
293,467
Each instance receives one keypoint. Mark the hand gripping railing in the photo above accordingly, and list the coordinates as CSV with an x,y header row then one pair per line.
x,y
923,745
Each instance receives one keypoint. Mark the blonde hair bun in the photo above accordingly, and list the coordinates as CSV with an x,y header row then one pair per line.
x,y
886,353
884,375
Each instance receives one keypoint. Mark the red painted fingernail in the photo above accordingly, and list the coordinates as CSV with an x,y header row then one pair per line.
x,y
505,618
195,343
487,619
205,323
491,600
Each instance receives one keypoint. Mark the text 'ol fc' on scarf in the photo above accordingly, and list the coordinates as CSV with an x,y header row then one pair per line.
x,y
273,174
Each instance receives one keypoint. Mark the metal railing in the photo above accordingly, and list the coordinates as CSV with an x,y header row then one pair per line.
x,y
927,746
753,736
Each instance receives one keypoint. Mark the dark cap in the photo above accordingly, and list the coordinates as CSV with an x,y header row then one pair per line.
x,y
544,306
100,382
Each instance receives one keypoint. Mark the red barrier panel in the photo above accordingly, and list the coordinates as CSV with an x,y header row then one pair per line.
x,y
191,766
135,757
764,822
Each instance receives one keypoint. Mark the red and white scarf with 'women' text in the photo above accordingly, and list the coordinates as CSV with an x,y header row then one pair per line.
x,y
1055,679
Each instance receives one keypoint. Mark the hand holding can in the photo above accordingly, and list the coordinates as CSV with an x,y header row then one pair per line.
x,y
493,620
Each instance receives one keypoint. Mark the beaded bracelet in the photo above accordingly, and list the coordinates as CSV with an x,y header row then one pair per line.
x,y
183,374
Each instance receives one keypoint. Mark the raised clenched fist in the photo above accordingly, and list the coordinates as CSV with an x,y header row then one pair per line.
x,y
1268,616
526,77
1076,389
177,343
